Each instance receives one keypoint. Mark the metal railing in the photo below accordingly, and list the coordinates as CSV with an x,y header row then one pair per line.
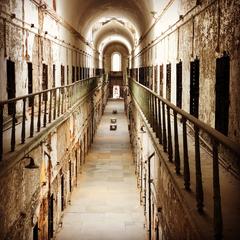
x,y
158,113
40,108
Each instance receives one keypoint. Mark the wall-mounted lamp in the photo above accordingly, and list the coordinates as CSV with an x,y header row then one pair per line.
x,y
46,32
31,164
154,14
32,25
13,15
142,129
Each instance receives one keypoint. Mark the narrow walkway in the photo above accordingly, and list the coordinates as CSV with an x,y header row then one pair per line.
x,y
105,205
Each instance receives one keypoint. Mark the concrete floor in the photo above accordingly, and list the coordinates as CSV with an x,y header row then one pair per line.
x,y
106,204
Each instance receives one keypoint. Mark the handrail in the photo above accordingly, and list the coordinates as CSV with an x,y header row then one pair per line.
x,y
221,138
43,91
44,107
158,112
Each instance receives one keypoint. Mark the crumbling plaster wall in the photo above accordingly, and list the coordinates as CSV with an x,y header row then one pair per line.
x,y
186,31
46,41
24,190
169,216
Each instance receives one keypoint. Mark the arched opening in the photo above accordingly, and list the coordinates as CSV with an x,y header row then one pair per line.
x,y
116,65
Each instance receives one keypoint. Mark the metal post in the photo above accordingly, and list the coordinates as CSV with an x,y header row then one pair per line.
x,y
149,198
23,121
176,148
185,156
218,225
199,187
170,151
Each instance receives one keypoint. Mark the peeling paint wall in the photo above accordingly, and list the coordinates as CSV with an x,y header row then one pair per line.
x,y
25,192
185,31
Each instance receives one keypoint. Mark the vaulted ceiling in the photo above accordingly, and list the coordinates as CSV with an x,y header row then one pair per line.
x,y
97,20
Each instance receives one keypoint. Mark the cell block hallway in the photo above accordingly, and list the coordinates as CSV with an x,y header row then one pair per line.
x,y
106,203
119,119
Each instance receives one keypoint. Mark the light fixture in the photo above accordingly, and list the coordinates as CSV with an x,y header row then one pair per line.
x,y
13,15
142,129
154,14
31,164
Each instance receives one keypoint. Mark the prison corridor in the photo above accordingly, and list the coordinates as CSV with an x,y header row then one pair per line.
x,y
105,205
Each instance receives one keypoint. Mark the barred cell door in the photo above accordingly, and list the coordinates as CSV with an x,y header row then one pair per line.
x,y
168,82
179,84
161,80
11,85
194,87
156,78
30,82
222,93
45,80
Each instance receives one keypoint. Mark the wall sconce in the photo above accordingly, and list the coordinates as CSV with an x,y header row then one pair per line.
x,y
31,164
32,25
46,32
154,14
142,129
44,184
13,15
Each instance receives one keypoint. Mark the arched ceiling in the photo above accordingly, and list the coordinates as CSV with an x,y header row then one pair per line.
x,y
98,19
115,47
113,28
84,13
110,39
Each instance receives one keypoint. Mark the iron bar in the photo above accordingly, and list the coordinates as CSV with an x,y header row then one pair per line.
x,y
199,187
39,113
164,128
176,147
218,225
170,150
159,121
1,131
32,117
185,157
13,136
23,122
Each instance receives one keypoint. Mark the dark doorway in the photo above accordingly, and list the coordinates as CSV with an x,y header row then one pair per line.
x,y
54,76
81,73
77,71
168,82
50,217
62,192
30,82
35,232
194,87
222,93
70,176
45,80
179,84
11,85
67,74
141,75
156,78
161,80
62,77
73,74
